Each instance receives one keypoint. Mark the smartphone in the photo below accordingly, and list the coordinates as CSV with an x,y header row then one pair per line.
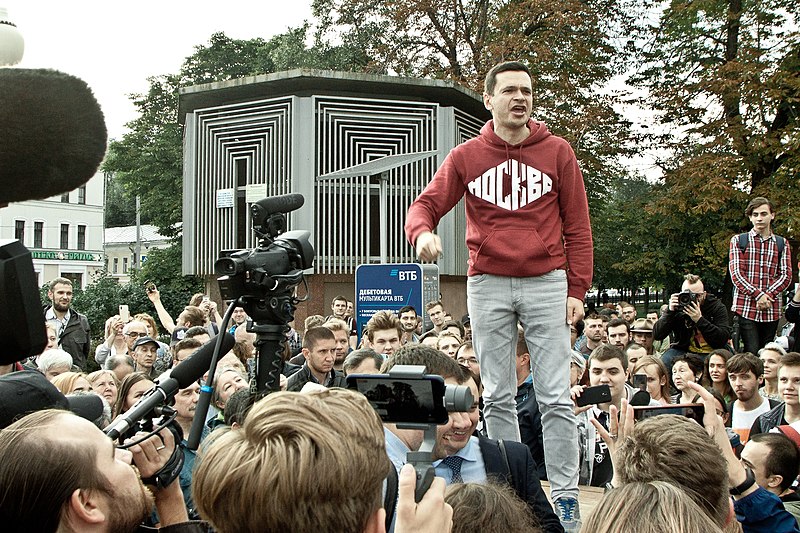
x,y
695,411
594,395
149,286
640,381
206,298
124,313
403,400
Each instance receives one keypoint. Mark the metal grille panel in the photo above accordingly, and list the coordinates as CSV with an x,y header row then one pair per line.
x,y
236,146
354,131
467,127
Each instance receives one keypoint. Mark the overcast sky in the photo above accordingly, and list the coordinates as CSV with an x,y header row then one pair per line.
x,y
114,46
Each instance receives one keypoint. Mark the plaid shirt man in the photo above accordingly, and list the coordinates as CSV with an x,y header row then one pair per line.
x,y
756,271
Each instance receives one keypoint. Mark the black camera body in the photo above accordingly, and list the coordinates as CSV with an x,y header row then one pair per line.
x,y
685,298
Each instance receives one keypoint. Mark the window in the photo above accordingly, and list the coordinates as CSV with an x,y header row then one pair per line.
x,y
19,230
115,267
38,232
124,265
64,236
65,198
81,237
82,196
75,278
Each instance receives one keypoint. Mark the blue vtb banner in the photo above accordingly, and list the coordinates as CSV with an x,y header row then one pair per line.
x,y
386,288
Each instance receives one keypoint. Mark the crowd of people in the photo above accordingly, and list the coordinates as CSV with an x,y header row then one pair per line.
x,y
559,391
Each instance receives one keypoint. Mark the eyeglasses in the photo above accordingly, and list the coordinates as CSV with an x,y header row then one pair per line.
x,y
136,334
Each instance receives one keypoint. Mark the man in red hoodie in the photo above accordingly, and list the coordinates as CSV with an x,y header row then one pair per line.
x,y
530,260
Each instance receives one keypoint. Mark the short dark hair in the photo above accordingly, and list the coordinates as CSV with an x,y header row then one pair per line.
x,y
238,406
185,344
314,335
783,458
742,363
507,66
454,324
406,309
431,305
614,322
356,357
758,201
194,331
434,361
694,363
338,298
790,359
606,352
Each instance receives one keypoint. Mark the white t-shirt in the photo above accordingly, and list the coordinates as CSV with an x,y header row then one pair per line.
x,y
742,421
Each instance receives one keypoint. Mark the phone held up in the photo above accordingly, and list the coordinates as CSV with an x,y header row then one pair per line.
x,y
695,411
594,395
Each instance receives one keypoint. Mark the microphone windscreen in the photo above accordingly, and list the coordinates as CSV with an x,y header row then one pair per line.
x,y
193,368
640,398
284,203
52,134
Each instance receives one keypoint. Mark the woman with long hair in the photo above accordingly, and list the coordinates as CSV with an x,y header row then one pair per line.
x,y
657,380
133,387
715,377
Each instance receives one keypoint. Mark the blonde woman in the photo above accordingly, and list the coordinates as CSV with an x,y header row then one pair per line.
x,y
648,507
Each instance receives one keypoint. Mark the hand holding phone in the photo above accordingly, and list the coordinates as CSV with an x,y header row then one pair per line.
x,y
594,396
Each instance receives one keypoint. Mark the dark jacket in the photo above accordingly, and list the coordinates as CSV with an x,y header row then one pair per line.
x,y
520,473
530,427
771,419
303,376
714,325
793,316
76,338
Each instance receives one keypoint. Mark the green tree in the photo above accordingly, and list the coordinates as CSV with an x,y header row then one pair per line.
x,y
574,48
148,159
120,205
722,76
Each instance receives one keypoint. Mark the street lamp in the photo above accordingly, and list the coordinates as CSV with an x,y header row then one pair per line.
x,y
12,45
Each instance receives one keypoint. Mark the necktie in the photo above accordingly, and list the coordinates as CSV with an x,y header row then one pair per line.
x,y
453,462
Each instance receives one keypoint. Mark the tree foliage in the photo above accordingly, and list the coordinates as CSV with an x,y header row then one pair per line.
x,y
148,160
722,76
103,296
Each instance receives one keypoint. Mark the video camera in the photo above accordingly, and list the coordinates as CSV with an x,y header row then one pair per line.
x,y
274,268
408,397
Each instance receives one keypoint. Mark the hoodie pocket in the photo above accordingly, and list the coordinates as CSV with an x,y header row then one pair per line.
x,y
504,251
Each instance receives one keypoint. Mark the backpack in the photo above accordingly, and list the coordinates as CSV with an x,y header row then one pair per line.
x,y
780,241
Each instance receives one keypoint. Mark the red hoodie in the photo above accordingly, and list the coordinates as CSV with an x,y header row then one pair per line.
x,y
526,206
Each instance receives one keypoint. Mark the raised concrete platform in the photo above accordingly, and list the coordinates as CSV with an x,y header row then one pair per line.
x,y
588,497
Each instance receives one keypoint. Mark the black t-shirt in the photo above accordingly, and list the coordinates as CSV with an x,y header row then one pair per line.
x,y
603,471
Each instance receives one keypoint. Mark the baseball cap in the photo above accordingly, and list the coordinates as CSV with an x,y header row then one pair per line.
x,y
141,341
27,391
642,325
577,358
465,320
791,431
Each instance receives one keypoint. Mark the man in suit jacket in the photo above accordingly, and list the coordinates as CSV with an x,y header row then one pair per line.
x,y
461,456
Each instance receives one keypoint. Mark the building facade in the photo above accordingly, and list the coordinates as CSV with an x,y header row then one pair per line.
x,y
63,233
300,131
120,245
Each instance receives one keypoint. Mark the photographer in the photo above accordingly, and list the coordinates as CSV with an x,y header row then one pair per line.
x,y
697,321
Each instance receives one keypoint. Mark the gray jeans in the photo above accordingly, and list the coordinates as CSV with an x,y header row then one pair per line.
x,y
539,303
